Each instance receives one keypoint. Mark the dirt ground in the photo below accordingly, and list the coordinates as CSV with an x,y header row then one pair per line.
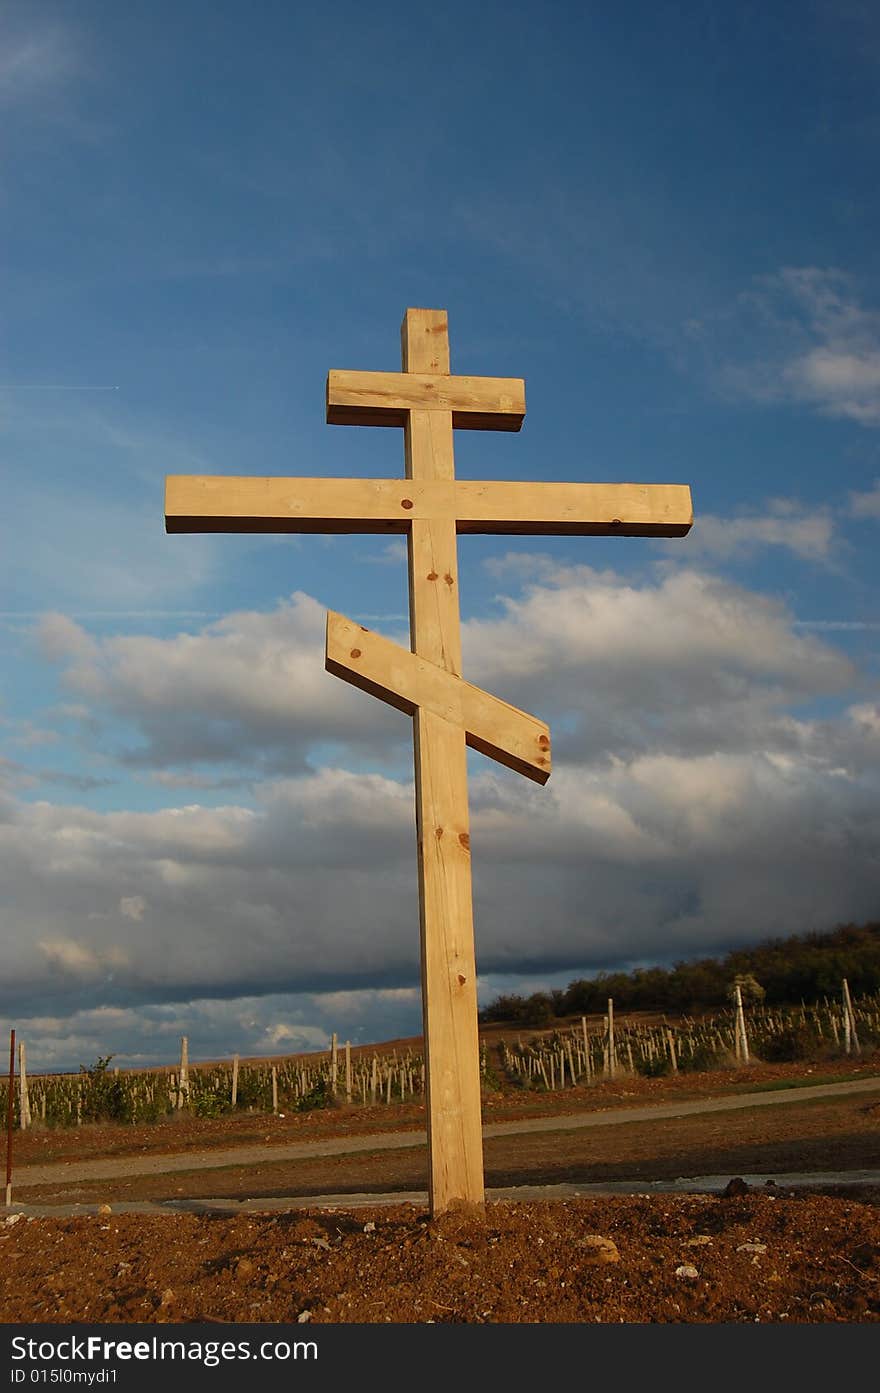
x,y
768,1253
744,1258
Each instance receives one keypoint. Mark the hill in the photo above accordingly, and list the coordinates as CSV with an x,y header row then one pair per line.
x,y
804,967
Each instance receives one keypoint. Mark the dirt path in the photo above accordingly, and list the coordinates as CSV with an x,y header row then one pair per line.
x,y
72,1172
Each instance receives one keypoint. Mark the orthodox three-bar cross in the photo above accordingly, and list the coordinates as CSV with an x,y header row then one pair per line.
x,y
430,506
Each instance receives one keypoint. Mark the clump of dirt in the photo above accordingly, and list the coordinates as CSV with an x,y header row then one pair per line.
x,y
744,1256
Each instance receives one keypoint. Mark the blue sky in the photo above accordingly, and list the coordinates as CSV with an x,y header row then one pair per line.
x,y
664,218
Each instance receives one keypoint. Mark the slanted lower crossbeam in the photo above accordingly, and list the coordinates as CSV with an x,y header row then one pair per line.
x,y
432,507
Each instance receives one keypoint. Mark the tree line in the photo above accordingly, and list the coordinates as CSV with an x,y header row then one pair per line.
x,y
804,967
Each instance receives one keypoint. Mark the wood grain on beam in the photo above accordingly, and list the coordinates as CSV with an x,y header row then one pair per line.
x,y
219,503
577,510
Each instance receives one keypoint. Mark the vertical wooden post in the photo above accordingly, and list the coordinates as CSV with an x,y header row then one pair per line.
x,y
24,1102
671,1042
348,1071
612,1058
449,975
274,1088
334,1068
742,1038
183,1086
851,1034
9,1108
587,1064
235,1080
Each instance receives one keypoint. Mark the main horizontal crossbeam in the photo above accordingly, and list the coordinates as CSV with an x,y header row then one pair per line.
x,y
221,503
406,681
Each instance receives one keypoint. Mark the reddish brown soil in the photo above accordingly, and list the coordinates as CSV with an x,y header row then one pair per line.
x,y
817,1259
746,1258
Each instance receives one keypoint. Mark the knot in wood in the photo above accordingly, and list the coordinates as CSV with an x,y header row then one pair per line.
x,y
355,653
465,840
432,575
406,502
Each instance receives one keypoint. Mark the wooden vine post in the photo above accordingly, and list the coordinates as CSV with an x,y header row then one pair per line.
x,y
742,1039
24,1101
9,1114
850,1034
431,507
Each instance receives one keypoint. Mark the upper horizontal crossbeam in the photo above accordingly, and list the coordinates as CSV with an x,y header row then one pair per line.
x,y
385,399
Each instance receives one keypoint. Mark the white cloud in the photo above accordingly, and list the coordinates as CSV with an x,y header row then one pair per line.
x,y
59,637
807,533
690,661
812,341
389,554
132,907
843,383
866,505
866,718
293,1039
350,1007
32,64
251,685
79,960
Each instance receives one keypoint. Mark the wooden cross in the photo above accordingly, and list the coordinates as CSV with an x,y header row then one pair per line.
x,y
430,506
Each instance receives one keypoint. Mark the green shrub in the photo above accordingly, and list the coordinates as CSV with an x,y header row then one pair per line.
x,y
785,1046
104,1096
704,1057
653,1068
318,1096
211,1101
254,1090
